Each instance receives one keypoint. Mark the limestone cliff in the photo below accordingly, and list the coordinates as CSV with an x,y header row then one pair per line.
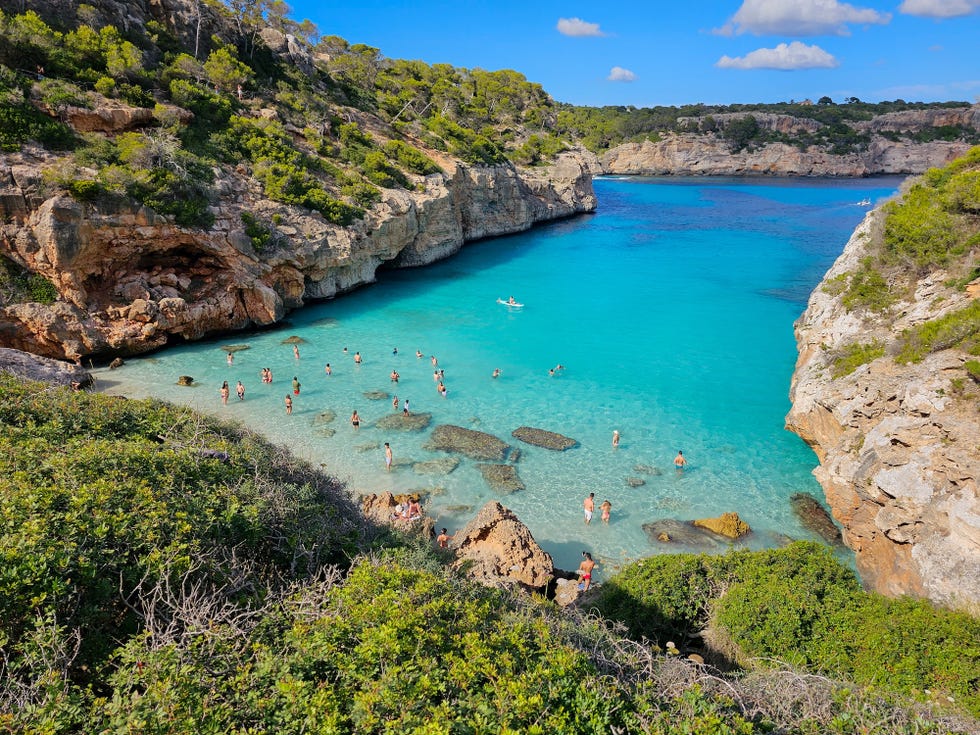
x,y
898,444
129,280
705,155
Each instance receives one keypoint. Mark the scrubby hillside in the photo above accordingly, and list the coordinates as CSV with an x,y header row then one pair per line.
x,y
163,573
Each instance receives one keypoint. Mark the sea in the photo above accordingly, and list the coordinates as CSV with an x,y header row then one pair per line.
x,y
670,311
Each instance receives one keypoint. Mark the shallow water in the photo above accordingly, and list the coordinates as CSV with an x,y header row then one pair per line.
x,y
671,309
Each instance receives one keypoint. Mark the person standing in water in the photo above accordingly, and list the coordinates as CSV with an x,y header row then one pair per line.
x,y
606,507
295,386
289,404
355,420
589,506
224,393
615,438
496,373
240,390
296,351
357,358
405,411
231,357
387,457
679,461
327,369
394,403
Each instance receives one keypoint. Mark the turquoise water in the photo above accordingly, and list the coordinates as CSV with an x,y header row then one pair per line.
x,y
671,309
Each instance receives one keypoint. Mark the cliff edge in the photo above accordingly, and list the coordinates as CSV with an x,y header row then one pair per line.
x,y
894,425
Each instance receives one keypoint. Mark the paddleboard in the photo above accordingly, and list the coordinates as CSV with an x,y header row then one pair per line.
x,y
508,303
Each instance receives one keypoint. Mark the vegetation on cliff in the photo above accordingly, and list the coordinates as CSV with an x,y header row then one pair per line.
x,y
164,573
931,232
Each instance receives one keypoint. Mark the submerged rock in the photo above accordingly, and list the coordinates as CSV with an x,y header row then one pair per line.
x,y
185,380
436,466
497,549
646,469
375,395
683,533
728,525
235,348
324,417
815,517
368,447
293,340
635,481
401,422
325,431
542,438
473,444
501,477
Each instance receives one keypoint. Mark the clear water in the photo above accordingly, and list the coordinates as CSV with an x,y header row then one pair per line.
x,y
671,309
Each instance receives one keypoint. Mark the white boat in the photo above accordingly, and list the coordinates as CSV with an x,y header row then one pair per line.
x,y
507,302
864,203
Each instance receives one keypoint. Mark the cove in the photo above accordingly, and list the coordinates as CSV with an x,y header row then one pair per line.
x,y
671,309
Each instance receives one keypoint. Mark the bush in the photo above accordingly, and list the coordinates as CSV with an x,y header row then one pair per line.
x,y
410,158
867,288
854,356
958,329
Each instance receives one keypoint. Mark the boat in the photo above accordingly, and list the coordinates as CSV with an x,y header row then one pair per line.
x,y
505,302
864,203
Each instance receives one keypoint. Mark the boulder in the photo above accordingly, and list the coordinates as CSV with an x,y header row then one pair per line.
x,y
728,525
235,348
635,481
401,422
646,469
436,466
473,444
815,517
185,380
542,438
376,395
495,548
293,340
32,367
501,477
682,533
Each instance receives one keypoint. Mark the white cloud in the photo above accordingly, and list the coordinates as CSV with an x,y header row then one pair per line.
x,y
578,27
939,8
803,17
795,55
619,74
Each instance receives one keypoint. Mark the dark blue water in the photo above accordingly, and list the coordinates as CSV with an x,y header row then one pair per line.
x,y
672,310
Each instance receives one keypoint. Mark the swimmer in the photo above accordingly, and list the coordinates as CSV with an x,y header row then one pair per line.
x,y
589,506
224,393
679,461
551,372
615,438
394,376
357,358
418,354
327,369
296,351
435,375
295,386
240,390
394,403
387,457
496,373
394,351
345,350
355,420
289,404
606,507
434,361
231,357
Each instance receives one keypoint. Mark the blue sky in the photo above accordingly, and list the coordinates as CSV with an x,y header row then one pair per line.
x,y
670,52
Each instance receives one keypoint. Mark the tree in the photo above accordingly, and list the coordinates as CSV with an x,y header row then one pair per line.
x,y
225,71
825,100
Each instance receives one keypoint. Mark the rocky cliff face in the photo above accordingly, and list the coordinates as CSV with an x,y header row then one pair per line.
x,y
129,280
706,155
898,449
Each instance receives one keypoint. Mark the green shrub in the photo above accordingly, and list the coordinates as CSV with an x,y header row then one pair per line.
x,y
259,233
867,288
854,356
919,230
23,122
973,369
85,190
410,158
958,329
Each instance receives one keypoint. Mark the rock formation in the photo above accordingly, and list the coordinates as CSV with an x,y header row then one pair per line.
x,y
501,477
497,549
473,444
689,153
32,367
898,451
542,438
728,525
130,280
